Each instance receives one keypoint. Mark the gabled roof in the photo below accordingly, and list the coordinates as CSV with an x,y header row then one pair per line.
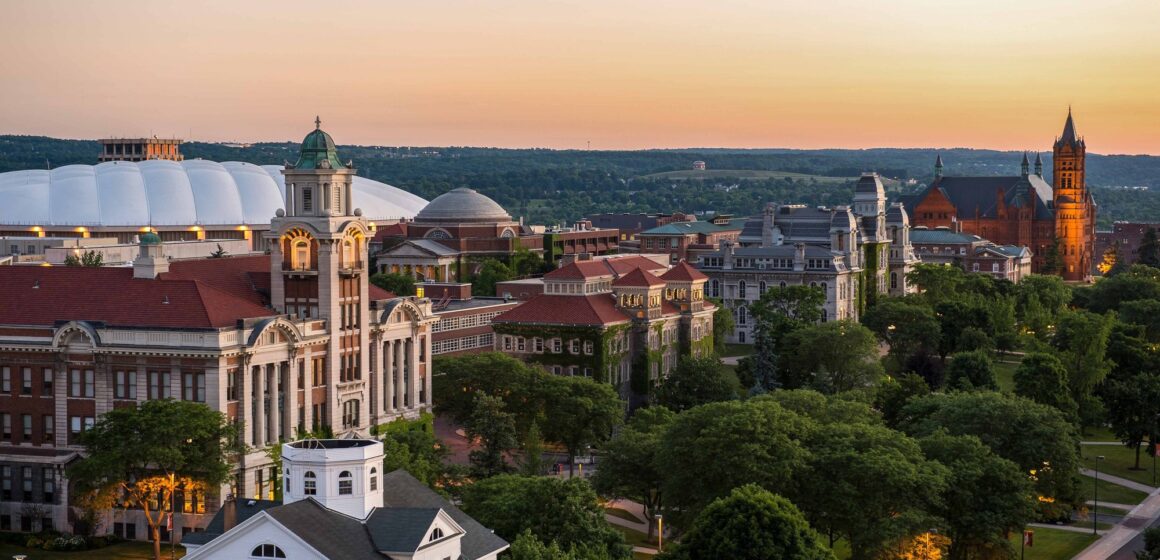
x,y
580,270
638,279
549,309
683,272
920,236
687,228
400,529
231,514
970,193
333,534
400,489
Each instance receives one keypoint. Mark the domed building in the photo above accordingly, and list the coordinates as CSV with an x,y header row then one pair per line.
x,y
451,237
178,200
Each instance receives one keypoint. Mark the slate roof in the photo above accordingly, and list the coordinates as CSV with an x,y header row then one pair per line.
x,y
550,309
333,534
923,236
896,214
638,278
400,529
231,514
698,227
400,489
970,193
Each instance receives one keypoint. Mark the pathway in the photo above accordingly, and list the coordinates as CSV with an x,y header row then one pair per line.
x,y
1069,528
1120,481
1127,532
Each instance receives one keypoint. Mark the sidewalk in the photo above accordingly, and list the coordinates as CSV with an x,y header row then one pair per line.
x,y
1070,528
1120,481
1139,518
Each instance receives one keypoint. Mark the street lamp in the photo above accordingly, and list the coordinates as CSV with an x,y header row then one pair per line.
x,y
1096,497
660,532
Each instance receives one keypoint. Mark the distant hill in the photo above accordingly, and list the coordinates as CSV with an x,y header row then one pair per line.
x,y
580,182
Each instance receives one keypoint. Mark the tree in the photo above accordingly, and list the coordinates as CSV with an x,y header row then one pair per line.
x,y
972,338
582,412
1133,407
869,484
417,451
751,523
1151,545
970,371
219,253
1138,282
907,327
1034,436
566,512
533,448
89,258
778,312
985,498
1149,252
723,325
151,451
490,272
720,446
824,409
696,381
894,393
631,467
1143,312
1052,261
528,547
525,263
495,430
398,284
1082,338
1042,378
1049,291
523,388
814,361
958,314
935,282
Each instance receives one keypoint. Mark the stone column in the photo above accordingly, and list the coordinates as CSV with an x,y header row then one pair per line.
x,y
400,376
60,400
413,371
388,376
259,373
291,403
275,413
245,401
426,365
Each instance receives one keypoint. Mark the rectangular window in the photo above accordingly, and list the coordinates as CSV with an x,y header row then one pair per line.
x,y
48,485
232,385
520,344
158,385
307,199
574,346
588,347
26,483
6,380
557,345
6,483
125,385
345,486
193,387
49,428
48,375
74,383
26,426
538,344
6,423
310,486
26,381
507,343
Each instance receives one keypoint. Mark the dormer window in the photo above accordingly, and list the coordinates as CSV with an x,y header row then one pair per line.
x,y
436,534
267,551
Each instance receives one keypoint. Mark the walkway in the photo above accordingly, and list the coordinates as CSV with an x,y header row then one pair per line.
x,y
1136,520
1069,528
1120,481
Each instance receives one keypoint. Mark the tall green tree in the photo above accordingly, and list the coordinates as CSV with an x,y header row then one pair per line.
x,y
1145,313
971,371
815,363
398,284
1149,252
908,327
824,409
893,394
935,282
419,452
1133,408
151,451
723,325
631,468
582,412
751,523
696,381
870,485
566,512
985,498
491,271
720,446
1042,378
1082,340
495,430
523,388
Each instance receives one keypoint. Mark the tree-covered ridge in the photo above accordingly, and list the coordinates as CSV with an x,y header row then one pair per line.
x,y
577,183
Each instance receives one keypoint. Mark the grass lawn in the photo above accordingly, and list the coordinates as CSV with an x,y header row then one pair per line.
x,y
1100,433
1005,374
738,350
634,538
1118,461
623,514
1113,493
1053,544
122,551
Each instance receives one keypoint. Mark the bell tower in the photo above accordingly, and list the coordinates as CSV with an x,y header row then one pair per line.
x,y
1072,203
318,271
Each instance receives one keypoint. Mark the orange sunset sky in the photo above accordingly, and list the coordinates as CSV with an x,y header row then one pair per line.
x,y
622,74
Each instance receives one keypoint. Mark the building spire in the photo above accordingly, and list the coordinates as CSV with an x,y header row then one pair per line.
x,y
1039,164
938,165
1069,135
1025,165
318,122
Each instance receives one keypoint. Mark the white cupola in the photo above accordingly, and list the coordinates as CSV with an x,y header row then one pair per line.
x,y
345,475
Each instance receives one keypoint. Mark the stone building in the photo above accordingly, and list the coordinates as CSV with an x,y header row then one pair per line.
x,y
1022,210
283,344
971,253
852,254
624,327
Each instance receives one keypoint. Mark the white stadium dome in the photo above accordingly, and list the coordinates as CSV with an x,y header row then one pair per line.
x,y
162,193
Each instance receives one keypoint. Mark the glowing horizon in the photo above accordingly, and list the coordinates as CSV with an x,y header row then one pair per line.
x,y
559,74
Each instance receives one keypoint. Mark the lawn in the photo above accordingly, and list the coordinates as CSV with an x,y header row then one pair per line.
x,y
1053,544
738,350
1005,374
1098,433
1113,493
634,538
122,551
1118,461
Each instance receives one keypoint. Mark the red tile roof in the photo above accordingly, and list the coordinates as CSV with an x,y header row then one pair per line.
x,y
638,278
598,309
580,270
626,263
684,272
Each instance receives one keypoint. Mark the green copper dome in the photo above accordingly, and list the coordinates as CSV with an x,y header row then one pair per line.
x,y
318,151
150,239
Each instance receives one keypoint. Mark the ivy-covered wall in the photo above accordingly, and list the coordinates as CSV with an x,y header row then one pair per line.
x,y
602,339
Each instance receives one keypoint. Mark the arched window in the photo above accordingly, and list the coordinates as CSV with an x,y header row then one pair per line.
x,y
741,289
267,551
345,483
374,479
813,284
742,315
782,284
761,287
507,234
301,254
893,280
435,535
438,234
309,484
824,288
348,253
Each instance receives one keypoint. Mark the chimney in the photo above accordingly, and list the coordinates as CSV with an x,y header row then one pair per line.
x,y
151,259
767,225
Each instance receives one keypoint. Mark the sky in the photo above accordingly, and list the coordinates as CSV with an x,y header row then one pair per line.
x,y
623,74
